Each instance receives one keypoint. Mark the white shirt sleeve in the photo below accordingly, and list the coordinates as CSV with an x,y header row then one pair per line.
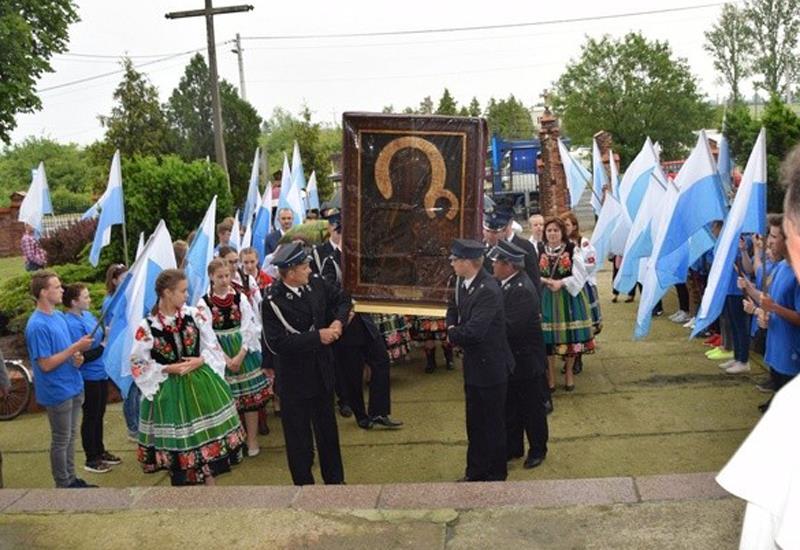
x,y
251,329
210,350
575,282
146,372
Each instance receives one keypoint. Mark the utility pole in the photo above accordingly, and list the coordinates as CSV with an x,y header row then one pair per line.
x,y
209,12
240,55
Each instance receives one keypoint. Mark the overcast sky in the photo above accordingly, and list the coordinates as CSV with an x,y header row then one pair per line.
x,y
333,75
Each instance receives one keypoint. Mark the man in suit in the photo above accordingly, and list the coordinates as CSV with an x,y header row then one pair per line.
x,y
476,323
525,409
361,343
285,219
302,317
497,226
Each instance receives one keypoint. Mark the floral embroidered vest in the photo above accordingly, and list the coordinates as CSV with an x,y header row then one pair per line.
x,y
165,350
556,267
226,313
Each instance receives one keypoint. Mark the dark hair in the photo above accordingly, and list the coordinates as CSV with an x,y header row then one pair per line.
x,y
217,263
40,281
225,250
790,179
576,232
180,248
71,293
167,280
560,223
248,250
776,220
114,271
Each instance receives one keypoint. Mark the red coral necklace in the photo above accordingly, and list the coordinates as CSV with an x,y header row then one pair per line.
x,y
178,322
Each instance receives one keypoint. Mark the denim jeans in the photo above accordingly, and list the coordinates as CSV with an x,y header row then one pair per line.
x,y
739,327
64,420
130,409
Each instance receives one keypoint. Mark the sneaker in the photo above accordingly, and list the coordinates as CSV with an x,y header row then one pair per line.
x,y
714,340
766,387
97,467
253,452
108,458
721,356
674,315
133,437
682,317
726,364
689,323
738,368
714,351
78,483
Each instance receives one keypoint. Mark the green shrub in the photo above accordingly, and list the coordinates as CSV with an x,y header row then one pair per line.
x,y
69,202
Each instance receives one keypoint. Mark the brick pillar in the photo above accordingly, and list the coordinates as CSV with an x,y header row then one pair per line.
x,y
10,229
553,193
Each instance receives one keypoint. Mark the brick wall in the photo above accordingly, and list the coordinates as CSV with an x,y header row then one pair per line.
x,y
10,229
553,192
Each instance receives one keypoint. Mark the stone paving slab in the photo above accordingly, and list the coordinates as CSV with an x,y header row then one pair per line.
x,y
216,497
322,497
10,496
72,500
679,487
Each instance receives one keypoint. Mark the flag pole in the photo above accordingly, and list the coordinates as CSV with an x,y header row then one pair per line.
x,y
124,226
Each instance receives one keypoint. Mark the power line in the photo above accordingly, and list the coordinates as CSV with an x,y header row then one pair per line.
x,y
484,27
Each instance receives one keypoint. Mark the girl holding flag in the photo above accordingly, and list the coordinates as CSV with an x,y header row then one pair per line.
x,y
188,425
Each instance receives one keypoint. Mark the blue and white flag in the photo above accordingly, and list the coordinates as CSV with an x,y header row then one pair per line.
x,y
247,238
286,187
253,198
298,176
578,177
263,223
139,246
631,191
599,178
112,210
604,229
200,254
745,205
700,202
132,301
37,200
725,167
613,172
312,195
235,241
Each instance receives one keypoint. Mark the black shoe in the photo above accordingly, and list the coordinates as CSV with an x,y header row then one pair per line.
x,y
345,411
570,387
386,422
577,367
533,462
450,365
466,479
364,423
548,406
81,484
263,429
514,456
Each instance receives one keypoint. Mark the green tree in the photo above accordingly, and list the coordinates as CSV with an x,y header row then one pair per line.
x,y
632,88
474,107
71,175
31,31
774,26
189,114
425,106
730,44
137,125
447,104
509,118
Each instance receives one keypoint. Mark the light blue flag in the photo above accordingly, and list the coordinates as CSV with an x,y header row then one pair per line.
x,y
132,301
721,275
604,229
37,201
286,186
725,168
298,175
200,254
312,195
613,172
699,203
235,241
112,210
296,203
599,178
578,177
253,198
262,224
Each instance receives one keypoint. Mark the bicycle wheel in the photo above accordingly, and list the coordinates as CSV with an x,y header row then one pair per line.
x,y
19,394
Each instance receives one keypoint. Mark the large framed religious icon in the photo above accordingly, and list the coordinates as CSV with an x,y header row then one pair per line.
x,y
411,184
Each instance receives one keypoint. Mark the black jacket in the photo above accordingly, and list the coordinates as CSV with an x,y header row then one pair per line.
x,y
319,253
524,327
531,261
303,365
477,324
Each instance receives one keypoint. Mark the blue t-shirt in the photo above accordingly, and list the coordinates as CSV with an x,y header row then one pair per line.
x,y
45,335
783,338
760,282
79,327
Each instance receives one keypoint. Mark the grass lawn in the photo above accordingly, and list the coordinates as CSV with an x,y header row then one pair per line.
x,y
10,267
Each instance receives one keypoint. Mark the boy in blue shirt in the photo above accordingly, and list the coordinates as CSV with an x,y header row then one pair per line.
x,y
95,380
55,359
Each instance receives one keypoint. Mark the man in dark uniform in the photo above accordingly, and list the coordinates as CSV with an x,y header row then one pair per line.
x,y
525,410
332,248
361,343
476,323
303,316
497,226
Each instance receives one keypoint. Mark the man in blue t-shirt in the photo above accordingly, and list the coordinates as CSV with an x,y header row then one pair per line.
x,y
58,383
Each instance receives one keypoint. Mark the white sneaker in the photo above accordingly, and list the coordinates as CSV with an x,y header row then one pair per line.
x,y
738,368
675,315
689,324
253,452
727,364
681,317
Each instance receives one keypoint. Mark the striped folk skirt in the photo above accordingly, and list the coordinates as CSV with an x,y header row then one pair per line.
x,y
250,388
594,304
567,323
190,428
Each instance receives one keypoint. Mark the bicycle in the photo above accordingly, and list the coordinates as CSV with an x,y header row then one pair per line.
x,y
19,394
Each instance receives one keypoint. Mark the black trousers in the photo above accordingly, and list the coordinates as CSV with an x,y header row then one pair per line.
x,y
615,270
303,419
94,409
356,349
525,414
486,432
683,296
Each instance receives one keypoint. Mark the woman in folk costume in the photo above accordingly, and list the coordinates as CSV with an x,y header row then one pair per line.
x,y
589,255
188,421
232,319
566,313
